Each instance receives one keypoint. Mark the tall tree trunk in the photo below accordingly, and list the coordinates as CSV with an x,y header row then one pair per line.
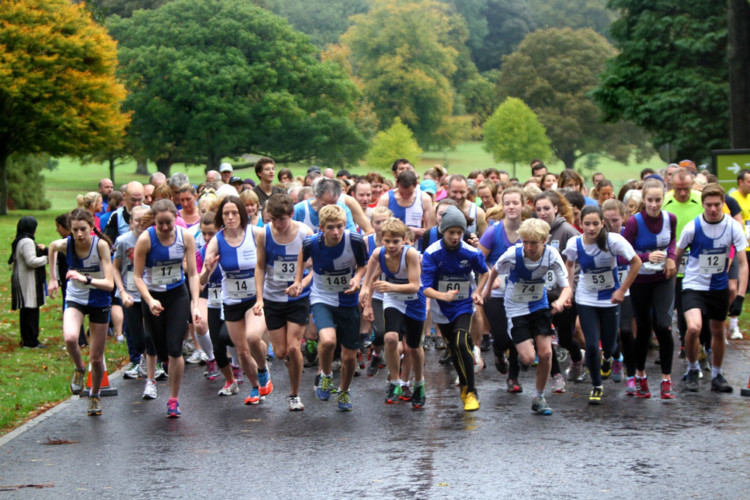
x,y
112,170
569,159
141,166
164,166
739,73
4,182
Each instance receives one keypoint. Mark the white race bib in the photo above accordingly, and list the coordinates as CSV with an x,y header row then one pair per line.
x,y
528,291
166,275
712,261
550,280
621,274
462,286
214,296
130,282
94,275
240,288
284,270
599,279
683,263
335,283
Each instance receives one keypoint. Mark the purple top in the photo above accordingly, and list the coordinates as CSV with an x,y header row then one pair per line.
x,y
653,224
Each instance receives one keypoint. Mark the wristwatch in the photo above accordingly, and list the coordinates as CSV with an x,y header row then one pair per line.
x,y
88,279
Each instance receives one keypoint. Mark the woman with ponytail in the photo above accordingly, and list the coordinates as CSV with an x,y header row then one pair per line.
x,y
599,290
90,282
92,203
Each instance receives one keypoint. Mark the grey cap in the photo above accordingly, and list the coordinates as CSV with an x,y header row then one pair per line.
x,y
452,217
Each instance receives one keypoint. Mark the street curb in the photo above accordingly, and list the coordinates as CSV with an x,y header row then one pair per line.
x,y
44,416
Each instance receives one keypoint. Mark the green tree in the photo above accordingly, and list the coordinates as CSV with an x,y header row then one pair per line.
x,y
403,54
670,75
26,182
574,14
324,21
213,78
58,92
496,28
553,71
389,145
513,134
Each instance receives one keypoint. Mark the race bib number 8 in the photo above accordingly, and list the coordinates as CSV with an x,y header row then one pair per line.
x,y
527,292
462,287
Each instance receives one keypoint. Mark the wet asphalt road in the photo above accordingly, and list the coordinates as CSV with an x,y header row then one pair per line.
x,y
696,445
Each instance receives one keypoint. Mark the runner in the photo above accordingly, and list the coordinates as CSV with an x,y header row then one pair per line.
x,y
394,270
286,310
339,259
90,284
447,278
652,234
235,249
705,286
599,290
160,279
378,216
527,265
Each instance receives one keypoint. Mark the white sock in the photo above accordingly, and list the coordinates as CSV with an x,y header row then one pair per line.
x,y
539,394
695,365
715,370
235,358
206,345
733,323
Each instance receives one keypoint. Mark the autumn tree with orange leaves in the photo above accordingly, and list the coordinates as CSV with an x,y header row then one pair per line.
x,y
58,92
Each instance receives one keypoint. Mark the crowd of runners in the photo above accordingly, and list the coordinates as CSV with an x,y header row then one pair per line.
x,y
362,274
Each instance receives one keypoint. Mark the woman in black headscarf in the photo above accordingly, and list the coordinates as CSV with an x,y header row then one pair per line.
x,y
28,283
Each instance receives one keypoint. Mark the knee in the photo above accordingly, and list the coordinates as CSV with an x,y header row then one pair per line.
x,y
201,328
348,355
526,358
292,350
326,344
544,354
391,339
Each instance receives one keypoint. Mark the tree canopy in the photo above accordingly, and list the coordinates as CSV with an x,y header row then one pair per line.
x,y
322,20
513,134
58,92
388,145
553,71
574,14
670,75
212,78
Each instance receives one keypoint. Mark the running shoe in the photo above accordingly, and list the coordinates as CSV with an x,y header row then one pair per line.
x,y
735,333
143,367
419,398
406,393
323,391
95,406
666,389
173,408
130,372
336,365
295,403
445,359
310,351
630,389
149,392
595,397
266,384
471,401
514,386
160,373
641,385
394,393
196,357
237,373
372,368
617,371
606,368
720,384
440,343
360,360
501,363
344,401
540,407
230,388
212,370
691,380
574,371
427,342
558,384
76,383
486,344
187,348
270,355
254,397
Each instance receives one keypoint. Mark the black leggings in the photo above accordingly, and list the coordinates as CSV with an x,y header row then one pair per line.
x,y
652,305
217,329
407,328
599,324
626,335
167,330
138,336
565,324
460,346
494,309
378,324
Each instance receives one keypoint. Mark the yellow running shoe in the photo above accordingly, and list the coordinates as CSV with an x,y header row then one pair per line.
x,y
471,402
